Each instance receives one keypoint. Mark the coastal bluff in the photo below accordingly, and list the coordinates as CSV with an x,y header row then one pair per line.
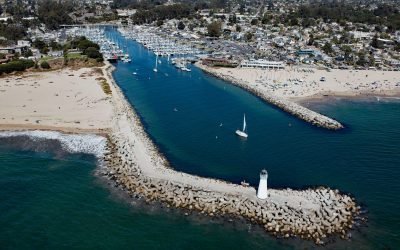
x,y
288,106
134,164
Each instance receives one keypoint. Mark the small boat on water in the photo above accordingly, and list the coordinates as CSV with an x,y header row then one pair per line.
x,y
242,133
155,68
134,73
244,183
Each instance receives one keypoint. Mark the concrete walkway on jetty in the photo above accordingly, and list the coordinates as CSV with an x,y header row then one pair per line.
x,y
288,106
134,163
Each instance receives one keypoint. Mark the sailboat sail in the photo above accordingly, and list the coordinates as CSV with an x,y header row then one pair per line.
x,y
244,123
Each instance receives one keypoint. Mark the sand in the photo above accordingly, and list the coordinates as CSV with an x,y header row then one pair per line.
x,y
63,100
305,83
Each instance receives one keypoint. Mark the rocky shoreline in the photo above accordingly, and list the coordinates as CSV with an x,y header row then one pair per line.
x,y
135,165
290,107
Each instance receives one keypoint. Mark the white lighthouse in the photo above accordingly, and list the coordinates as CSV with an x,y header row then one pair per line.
x,y
262,192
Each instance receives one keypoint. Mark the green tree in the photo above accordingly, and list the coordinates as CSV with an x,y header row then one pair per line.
x,y
92,52
181,25
266,18
347,51
254,22
311,40
45,65
376,43
327,48
371,60
214,29
361,59
54,13
159,23
248,36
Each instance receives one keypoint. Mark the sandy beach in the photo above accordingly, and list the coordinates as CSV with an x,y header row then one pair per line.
x,y
66,100
301,83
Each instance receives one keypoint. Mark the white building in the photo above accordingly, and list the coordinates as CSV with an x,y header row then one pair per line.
x,y
262,64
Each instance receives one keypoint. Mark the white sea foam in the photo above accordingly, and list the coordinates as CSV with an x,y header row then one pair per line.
x,y
73,143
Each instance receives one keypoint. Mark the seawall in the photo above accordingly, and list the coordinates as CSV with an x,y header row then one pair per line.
x,y
290,107
134,164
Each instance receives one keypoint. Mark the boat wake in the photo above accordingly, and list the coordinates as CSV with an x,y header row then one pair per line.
x,y
72,143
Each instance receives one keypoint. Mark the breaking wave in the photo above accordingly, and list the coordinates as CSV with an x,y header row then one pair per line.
x,y
72,143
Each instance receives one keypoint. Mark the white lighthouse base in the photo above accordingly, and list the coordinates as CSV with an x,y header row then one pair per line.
x,y
262,192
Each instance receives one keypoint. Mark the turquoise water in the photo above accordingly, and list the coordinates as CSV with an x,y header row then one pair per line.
x,y
66,206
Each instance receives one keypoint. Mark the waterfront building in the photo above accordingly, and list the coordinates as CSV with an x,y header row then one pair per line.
x,y
263,64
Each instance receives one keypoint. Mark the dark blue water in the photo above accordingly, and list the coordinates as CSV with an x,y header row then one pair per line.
x,y
363,160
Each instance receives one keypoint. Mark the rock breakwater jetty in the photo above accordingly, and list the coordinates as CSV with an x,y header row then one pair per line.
x,y
134,164
288,106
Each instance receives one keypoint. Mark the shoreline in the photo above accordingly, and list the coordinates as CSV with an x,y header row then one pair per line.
x,y
348,96
293,108
136,165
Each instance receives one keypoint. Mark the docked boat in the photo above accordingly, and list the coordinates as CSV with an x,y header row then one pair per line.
x,y
242,133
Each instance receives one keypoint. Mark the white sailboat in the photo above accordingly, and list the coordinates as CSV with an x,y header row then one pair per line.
x,y
155,69
243,132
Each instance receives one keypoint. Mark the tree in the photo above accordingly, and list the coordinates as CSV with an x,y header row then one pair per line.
x,y
238,28
266,18
181,25
347,51
254,22
54,13
361,59
376,43
311,40
214,29
327,48
92,52
45,65
371,60
159,23
248,36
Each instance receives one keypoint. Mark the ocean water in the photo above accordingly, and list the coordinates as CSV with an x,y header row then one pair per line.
x,y
53,199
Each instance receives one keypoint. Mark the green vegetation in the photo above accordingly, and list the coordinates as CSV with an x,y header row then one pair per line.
x,y
75,56
16,65
162,12
104,85
341,12
214,29
45,65
327,48
54,13
181,25
88,48
12,31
